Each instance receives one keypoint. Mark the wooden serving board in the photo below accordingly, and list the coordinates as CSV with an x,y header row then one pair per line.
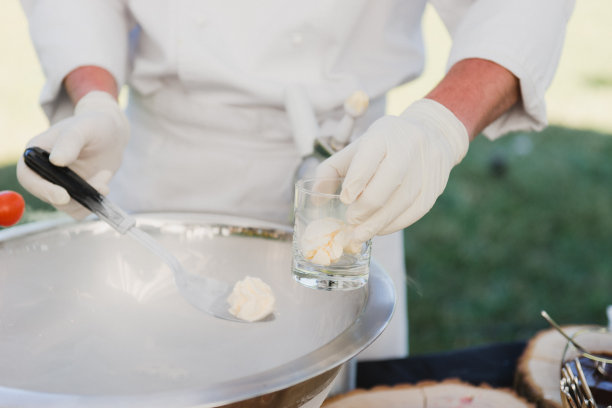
x,y
429,394
538,369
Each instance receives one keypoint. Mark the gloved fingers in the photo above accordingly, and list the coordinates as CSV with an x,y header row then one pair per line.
x,y
400,202
398,169
46,140
337,164
363,166
100,181
371,227
70,142
74,209
41,188
411,215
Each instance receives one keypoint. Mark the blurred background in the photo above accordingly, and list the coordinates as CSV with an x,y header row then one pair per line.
x,y
525,223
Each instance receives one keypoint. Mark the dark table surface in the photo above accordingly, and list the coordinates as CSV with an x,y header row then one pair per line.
x,y
493,364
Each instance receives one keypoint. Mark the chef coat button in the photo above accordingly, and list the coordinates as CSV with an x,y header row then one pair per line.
x,y
297,39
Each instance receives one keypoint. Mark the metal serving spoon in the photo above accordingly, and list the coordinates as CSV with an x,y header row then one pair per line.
x,y
205,293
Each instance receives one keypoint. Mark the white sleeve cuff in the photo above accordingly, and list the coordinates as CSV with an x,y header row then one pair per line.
x,y
530,112
68,34
524,37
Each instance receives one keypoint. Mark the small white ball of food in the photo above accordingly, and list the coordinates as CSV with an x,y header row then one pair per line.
x,y
325,240
251,299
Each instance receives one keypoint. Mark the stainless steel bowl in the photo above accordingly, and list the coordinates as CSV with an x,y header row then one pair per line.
x,y
90,318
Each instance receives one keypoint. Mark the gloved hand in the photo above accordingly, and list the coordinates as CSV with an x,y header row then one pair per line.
x,y
394,173
91,142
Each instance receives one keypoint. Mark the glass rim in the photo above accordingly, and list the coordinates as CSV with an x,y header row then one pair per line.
x,y
301,186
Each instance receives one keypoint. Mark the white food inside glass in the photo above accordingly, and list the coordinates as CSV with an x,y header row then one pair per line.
x,y
325,240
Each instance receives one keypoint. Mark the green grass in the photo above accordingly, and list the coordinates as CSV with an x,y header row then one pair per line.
x,y
501,245
524,224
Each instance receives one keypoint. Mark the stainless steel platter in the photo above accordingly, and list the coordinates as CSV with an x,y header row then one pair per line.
x,y
89,318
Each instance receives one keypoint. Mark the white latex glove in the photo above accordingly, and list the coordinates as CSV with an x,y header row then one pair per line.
x,y
395,172
91,142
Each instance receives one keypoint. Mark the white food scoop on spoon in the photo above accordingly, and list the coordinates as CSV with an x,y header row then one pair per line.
x,y
205,293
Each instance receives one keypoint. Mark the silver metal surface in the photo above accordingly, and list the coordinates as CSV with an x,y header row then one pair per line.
x,y
80,327
207,294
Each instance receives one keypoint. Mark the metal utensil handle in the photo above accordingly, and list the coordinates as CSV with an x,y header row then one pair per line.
x,y
81,191
562,332
601,361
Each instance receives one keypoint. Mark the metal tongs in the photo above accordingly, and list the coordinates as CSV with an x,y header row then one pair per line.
x,y
575,391
205,293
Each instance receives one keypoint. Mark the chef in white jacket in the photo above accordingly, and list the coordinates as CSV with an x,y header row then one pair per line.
x,y
206,131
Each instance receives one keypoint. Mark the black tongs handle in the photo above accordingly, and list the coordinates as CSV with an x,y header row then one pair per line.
x,y
38,160
81,191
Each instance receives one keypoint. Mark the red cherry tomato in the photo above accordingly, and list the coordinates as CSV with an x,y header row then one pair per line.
x,y
12,206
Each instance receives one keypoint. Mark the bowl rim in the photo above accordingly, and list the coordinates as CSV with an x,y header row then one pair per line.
x,y
370,323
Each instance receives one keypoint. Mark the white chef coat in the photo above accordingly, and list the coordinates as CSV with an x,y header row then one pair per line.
x,y
207,82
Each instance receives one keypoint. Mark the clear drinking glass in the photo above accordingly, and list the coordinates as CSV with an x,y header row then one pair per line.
x,y
324,255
